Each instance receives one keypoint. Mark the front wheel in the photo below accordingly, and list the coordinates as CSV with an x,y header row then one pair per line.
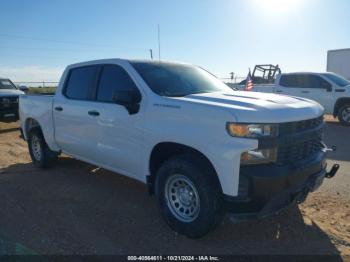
x,y
39,151
189,195
344,115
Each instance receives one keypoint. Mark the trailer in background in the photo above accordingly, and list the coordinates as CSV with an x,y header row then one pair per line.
x,y
338,61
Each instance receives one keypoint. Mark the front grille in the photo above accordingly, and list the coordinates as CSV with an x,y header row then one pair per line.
x,y
300,126
298,152
304,140
9,102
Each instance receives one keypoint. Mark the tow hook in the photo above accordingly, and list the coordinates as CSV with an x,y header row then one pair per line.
x,y
333,171
335,167
326,149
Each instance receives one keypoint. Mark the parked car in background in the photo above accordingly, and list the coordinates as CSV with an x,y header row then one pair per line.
x,y
202,148
330,90
9,96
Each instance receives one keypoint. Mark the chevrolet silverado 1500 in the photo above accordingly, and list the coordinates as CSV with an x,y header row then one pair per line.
x,y
202,148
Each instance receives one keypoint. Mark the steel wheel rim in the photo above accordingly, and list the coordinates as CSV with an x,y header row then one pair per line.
x,y
182,198
346,114
36,148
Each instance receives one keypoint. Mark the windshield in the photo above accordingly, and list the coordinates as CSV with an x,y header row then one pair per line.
x,y
340,81
6,84
170,79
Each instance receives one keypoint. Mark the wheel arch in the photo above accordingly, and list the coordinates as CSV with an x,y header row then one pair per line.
x,y
164,151
30,123
340,102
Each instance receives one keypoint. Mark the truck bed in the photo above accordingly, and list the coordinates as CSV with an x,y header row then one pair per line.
x,y
39,107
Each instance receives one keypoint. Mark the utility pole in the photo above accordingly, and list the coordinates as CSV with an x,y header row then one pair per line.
x,y
159,43
151,52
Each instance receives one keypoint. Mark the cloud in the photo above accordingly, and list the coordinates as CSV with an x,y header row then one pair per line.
x,y
31,73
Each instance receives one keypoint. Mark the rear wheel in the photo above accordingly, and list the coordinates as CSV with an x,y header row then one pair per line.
x,y
344,115
40,153
189,196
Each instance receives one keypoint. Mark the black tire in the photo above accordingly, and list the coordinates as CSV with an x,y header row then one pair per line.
x,y
208,190
343,111
39,151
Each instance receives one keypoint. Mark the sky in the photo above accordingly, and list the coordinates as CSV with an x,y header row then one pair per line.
x,y
38,38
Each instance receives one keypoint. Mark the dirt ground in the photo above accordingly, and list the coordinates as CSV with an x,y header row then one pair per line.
x,y
76,208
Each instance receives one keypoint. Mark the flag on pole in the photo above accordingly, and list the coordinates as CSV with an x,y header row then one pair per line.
x,y
249,83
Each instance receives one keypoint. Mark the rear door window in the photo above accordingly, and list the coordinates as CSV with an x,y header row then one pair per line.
x,y
304,81
113,78
81,83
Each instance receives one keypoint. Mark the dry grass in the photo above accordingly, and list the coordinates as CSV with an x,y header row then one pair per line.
x,y
42,90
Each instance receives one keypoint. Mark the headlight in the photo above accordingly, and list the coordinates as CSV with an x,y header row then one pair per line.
x,y
252,130
259,156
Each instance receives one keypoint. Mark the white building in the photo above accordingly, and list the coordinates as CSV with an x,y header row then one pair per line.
x,y
338,61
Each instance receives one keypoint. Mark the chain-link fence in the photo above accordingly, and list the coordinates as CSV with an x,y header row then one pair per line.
x,y
42,84
234,80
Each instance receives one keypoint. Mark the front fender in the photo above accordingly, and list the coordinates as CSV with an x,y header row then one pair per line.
x,y
224,157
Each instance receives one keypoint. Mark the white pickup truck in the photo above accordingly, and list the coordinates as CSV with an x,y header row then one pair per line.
x,y
330,90
202,148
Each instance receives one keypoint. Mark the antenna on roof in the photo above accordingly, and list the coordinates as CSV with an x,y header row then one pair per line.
x,y
159,42
151,52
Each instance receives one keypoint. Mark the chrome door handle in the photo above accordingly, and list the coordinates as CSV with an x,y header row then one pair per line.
x,y
279,91
305,92
58,108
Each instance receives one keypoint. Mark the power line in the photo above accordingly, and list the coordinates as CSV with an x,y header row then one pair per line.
x,y
56,57
69,42
159,42
50,40
52,49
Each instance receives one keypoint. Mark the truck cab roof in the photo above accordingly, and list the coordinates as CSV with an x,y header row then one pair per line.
x,y
121,60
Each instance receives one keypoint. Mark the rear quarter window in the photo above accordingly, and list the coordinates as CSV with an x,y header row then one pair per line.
x,y
81,82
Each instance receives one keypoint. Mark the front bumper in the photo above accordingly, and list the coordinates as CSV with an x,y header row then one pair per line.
x,y
9,108
267,189
9,114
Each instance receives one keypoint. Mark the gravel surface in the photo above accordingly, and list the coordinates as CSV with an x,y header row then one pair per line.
x,y
76,208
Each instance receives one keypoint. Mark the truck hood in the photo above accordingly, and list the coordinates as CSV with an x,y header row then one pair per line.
x,y
255,107
10,92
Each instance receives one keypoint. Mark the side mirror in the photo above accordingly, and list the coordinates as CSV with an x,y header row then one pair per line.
x,y
23,88
329,88
130,99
